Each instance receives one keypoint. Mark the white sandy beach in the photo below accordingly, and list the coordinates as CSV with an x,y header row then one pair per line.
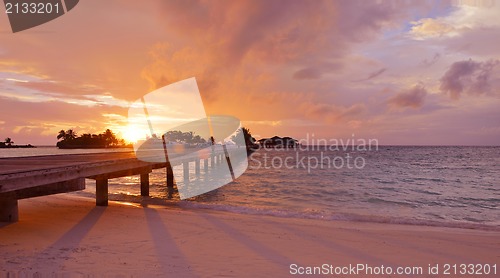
x,y
67,234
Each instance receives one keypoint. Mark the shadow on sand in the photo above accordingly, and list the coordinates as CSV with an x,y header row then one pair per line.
x,y
168,253
61,250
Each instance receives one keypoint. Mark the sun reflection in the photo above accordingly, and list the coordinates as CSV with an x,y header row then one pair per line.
x,y
128,204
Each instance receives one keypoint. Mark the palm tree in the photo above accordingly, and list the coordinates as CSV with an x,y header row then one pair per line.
x,y
62,134
70,134
249,140
109,138
9,141
247,135
67,135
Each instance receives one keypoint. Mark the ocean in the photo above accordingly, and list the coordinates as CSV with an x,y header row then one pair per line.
x,y
445,186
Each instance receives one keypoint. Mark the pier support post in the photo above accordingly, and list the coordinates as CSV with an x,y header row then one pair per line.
x,y
101,192
220,158
212,161
197,167
185,168
9,211
205,164
145,184
169,172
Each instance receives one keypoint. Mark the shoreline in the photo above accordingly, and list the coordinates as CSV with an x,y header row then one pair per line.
x,y
29,146
283,213
68,234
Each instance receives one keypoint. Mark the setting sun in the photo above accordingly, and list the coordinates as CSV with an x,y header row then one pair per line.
x,y
133,133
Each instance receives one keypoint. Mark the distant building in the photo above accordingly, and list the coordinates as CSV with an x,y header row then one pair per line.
x,y
278,142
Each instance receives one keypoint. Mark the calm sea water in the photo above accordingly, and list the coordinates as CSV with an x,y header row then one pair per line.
x,y
438,186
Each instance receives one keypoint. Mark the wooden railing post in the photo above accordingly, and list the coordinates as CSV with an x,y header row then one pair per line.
x,y
185,168
197,167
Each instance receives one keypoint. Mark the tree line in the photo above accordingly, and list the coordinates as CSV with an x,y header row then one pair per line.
x,y
8,143
69,139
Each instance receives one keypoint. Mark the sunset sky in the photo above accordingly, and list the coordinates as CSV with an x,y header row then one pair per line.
x,y
419,73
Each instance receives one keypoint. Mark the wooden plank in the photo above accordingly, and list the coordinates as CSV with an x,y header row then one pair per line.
x,y
49,189
123,173
10,165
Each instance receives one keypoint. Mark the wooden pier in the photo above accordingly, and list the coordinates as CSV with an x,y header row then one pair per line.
x,y
27,177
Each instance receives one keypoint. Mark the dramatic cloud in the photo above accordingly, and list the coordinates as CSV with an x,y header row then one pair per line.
x,y
413,98
282,66
469,77
307,37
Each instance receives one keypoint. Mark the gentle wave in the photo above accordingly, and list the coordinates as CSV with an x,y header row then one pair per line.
x,y
310,214
342,217
313,214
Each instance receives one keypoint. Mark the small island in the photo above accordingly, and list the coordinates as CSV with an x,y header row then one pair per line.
x,y
9,144
278,142
70,140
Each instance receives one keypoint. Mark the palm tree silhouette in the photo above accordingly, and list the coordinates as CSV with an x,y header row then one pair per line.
x,y
62,134
70,134
110,138
249,140
9,141
66,135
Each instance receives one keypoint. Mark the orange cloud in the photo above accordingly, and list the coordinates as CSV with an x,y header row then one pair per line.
x,y
288,62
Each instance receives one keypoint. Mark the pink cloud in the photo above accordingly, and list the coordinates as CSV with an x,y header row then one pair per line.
x,y
469,77
413,98
307,73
